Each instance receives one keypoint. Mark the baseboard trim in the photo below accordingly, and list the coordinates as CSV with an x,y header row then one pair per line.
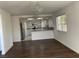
x,y
17,41
67,47
4,53
33,40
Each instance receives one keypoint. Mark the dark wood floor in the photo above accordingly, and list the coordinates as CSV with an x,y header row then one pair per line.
x,y
49,48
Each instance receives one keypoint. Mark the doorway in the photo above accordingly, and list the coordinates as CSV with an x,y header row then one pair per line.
x,y
25,34
22,34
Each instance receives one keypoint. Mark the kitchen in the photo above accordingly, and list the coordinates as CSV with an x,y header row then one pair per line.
x,y
35,28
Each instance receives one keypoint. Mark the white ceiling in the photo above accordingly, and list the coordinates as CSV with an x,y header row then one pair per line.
x,y
28,7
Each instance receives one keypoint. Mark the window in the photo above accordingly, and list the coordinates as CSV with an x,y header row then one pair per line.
x,y
61,23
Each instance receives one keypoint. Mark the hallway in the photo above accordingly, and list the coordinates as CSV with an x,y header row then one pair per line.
x,y
49,48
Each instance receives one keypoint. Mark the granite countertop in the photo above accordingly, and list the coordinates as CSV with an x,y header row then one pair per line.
x,y
43,29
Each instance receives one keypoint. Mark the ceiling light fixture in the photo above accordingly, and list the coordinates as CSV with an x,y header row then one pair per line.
x,y
37,10
39,18
30,18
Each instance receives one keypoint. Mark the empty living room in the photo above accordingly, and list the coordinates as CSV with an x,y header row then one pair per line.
x,y
39,29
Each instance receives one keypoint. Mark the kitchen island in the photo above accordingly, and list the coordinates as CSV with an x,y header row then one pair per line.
x,y
40,34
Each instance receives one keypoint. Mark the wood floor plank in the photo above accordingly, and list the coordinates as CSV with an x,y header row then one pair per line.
x,y
49,48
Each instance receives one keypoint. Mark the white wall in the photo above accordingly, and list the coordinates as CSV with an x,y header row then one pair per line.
x,y
71,38
51,22
43,23
16,29
6,36
0,32
0,41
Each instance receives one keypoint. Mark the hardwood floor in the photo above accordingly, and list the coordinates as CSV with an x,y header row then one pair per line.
x,y
49,48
